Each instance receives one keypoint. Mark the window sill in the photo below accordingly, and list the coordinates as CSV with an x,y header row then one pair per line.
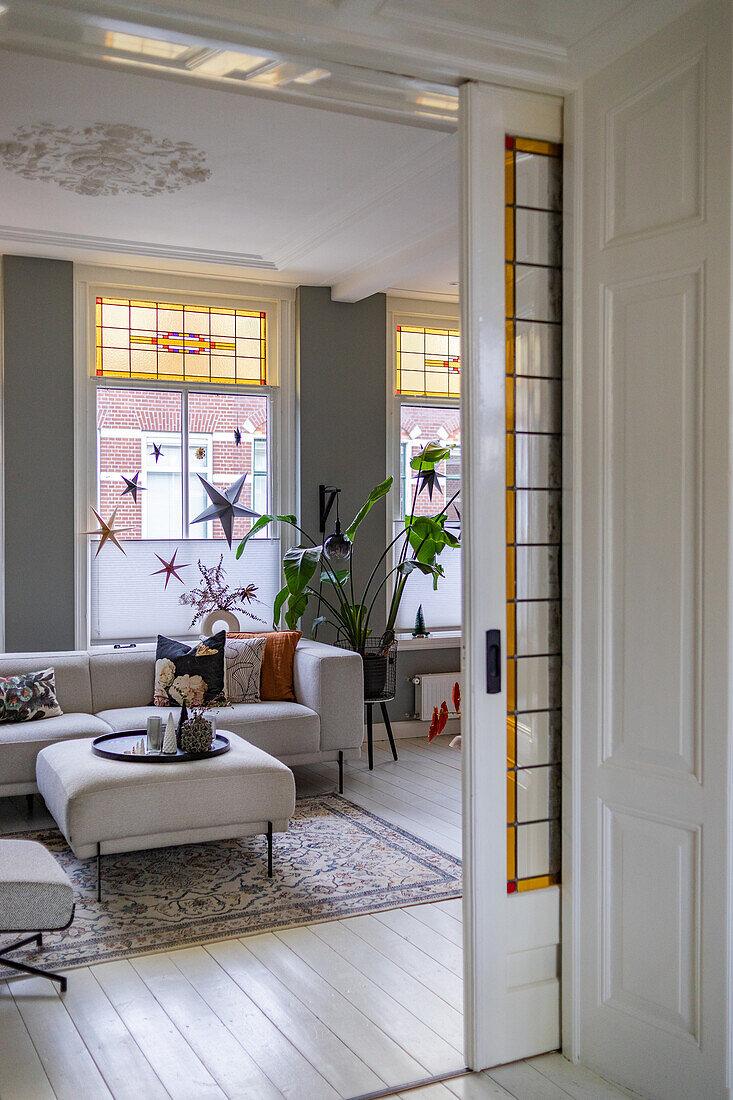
x,y
447,639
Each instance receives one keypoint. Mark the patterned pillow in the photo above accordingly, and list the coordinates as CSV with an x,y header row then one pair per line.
x,y
29,697
243,668
190,674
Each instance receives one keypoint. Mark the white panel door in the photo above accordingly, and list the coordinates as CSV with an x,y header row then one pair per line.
x,y
512,989
647,952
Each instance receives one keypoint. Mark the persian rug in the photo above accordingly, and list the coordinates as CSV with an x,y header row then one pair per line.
x,y
336,860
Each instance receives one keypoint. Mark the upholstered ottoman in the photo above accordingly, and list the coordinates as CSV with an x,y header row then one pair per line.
x,y
103,806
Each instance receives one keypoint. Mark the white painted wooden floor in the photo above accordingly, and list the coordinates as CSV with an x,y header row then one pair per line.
x,y
331,1011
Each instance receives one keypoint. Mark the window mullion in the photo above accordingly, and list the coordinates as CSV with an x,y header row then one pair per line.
x,y
184,464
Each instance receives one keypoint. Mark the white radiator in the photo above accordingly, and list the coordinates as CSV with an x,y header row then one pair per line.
x,y
431,689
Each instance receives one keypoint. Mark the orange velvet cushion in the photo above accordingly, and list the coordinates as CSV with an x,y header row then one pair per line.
x,y
277,663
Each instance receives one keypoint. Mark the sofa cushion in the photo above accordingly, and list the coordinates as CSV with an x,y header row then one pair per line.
x,y
282,729
29,697
20,742
71,672
192,674
243,669
277,663
122,677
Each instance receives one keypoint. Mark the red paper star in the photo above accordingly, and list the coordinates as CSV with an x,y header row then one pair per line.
x,y
169,568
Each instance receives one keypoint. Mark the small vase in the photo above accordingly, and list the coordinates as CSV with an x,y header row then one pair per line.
x,y
181,720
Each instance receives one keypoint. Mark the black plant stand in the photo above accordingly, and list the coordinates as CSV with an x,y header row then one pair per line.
x,y
369,703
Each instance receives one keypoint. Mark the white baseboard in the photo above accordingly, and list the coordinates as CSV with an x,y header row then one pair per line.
x,y
413,729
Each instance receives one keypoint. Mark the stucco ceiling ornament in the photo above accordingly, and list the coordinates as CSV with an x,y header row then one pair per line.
x,y
103,159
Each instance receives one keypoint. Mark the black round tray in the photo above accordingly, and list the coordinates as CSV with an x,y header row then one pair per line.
x,y
113,745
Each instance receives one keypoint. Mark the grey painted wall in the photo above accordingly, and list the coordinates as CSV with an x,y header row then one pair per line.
x,y
342,359
38,453
343,415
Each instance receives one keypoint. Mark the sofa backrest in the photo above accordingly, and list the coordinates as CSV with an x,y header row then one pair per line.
x,y
71,672
122,677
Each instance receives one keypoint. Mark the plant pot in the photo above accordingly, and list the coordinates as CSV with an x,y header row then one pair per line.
x,y
375,675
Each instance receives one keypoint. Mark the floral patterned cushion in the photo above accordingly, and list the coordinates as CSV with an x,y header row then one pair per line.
x,y
193,675
29,697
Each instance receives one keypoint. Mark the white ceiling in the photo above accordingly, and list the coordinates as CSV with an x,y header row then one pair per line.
x,y
310,196
361,201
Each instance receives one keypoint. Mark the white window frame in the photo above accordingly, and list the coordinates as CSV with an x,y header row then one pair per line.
x,y
430,314
278,303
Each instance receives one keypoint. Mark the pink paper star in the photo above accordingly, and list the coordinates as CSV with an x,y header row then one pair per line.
x,y
169,568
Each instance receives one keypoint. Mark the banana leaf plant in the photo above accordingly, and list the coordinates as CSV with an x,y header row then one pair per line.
x,y
308,565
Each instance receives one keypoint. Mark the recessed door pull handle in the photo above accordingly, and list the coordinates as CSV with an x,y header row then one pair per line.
x,y
493,662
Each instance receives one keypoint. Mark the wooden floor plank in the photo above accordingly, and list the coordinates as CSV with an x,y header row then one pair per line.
x,y
124,1067
445,983
440,922
224,1056
415,932
336,1010
526,1083
339,1064
429,1049
454,907
401,986
68,1064
274,1053
22,1076
432,818
180,1070
580,1082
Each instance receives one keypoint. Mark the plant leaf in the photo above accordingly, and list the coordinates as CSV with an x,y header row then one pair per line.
x,y
299,565
376,494
278,604
316,623
430,456
258,526
297,603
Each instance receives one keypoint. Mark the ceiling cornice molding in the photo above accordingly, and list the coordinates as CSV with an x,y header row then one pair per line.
x,y
423,52
358,207
84,243
402,263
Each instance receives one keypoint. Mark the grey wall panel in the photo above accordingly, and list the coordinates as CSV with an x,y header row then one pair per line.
x,y
343,413
38,454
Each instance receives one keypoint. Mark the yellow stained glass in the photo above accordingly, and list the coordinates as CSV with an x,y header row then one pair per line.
x,y
176,342
428,361
523,616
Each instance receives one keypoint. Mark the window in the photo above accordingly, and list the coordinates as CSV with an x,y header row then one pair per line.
x,y
181,398
427,389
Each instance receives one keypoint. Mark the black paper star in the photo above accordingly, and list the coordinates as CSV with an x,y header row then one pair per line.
x,y
132,486
237,436
169,568
157,452
428,479
224,506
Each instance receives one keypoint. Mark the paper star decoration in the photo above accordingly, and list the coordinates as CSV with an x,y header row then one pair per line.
x,y
224,506
131,486
237,436
428,479
157,452
107,530
169,568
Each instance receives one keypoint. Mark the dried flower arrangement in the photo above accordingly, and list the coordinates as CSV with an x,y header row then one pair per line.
x,y
216,595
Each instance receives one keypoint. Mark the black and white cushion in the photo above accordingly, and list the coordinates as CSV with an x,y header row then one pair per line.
x,y
28,698
243,669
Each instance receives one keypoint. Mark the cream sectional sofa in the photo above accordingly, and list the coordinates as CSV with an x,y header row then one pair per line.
x,y
111,689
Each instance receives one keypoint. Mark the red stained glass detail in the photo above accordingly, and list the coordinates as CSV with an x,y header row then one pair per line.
x,y
511,888
509,142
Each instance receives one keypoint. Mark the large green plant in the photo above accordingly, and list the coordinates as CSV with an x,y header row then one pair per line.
x,y
422,542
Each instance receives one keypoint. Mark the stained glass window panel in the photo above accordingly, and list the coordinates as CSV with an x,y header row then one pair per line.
x,y
534,479
428,361
174,342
